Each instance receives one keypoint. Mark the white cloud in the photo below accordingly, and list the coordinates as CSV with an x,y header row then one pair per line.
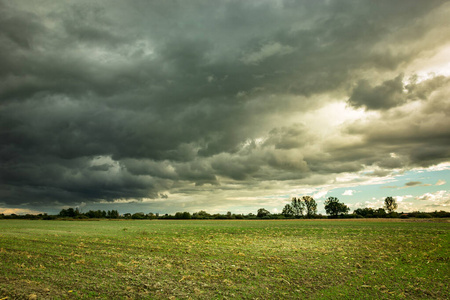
x,y
439,200
437,196
439,167
441,182
348,193
375,204
401,198
320,194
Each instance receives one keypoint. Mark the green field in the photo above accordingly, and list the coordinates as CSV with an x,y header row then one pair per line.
x,y
162,259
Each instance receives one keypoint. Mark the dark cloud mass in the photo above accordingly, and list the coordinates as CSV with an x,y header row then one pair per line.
x,y
107,101
387,95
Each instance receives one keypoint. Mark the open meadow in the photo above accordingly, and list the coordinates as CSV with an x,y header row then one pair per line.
x,y
210,259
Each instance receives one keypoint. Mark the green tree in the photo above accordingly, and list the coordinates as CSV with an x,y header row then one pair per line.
x,y
138,215
334,208
297,206
365,212
201,215
311,206
96,214
112,214
262,212
70,212
380,213
390,204
287,211
151,215
186,215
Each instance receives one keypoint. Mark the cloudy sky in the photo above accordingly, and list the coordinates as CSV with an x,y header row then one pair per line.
x,y
165,106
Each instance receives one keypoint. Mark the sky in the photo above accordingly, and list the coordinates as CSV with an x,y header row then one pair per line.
x,y
166,106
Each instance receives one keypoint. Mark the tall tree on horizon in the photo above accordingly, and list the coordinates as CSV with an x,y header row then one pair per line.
x,y
390,204
311,206
297,207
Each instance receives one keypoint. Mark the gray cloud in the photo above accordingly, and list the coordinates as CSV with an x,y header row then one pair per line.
x,y
393,93
413,183
105,101
292,137
384,96
418,136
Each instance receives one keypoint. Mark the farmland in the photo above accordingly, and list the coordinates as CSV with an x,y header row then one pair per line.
x,y
232,259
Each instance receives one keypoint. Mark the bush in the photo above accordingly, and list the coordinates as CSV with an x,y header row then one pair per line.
x,y
393,215
138,216
424,215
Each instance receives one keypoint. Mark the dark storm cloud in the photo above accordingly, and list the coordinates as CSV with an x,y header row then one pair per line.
x,y
289,138
107,101
387,95
394,92
417,136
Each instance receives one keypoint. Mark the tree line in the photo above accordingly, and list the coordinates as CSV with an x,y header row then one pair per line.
x,y
301,207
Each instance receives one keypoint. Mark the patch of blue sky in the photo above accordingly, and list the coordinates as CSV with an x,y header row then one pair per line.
x,y
409,186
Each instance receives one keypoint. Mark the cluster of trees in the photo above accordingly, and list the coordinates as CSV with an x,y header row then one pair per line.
x,y
97,214
299,207
203,215
141,216
388,211
368,212
303,207
390,205
306,207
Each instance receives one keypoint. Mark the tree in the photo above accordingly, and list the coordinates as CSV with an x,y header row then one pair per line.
x,y
112,214
311,206
334,208
138,215
97,214
287,211
201,215
63,213
390,204
262,213
151,216
380,213
70,212
183,215
366,212
297,207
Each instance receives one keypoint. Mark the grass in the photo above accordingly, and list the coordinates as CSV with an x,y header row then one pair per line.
x,y
162,259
